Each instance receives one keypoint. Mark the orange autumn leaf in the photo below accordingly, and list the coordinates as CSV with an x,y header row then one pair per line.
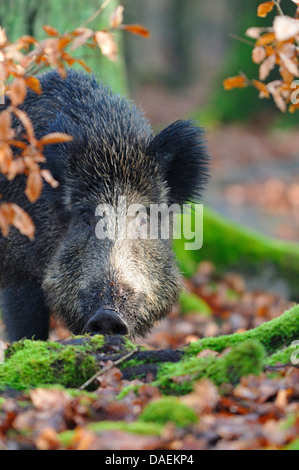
x,y
293,108
265,8
49,178
265,39
34,84
50,30
12,214
234,82
18,91
262,88
34,186
55,138
23,117
82,35
83,64
5,125
136,29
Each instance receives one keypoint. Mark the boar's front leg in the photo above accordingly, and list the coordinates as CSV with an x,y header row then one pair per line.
x,y
24,312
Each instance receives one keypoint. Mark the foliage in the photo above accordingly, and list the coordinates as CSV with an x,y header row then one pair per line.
x,y
275,47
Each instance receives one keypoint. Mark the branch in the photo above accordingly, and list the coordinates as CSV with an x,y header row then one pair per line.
x,y
105,369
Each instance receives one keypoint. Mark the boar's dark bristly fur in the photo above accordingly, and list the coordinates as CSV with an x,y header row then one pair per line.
x,y
67,270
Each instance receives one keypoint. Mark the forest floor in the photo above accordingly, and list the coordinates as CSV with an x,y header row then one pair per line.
x,y
260,412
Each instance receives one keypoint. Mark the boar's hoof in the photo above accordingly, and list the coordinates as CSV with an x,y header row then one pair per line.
x,y
106,322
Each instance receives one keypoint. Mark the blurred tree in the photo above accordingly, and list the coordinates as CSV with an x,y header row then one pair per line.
x,y
20,17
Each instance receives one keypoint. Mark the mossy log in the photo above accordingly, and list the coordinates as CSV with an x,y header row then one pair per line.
x,y
72,362
233,247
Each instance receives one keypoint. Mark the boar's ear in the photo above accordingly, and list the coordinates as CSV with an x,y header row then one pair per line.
x,y
180,150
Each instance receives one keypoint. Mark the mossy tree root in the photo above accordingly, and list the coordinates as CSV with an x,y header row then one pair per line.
x,y
233,247
70,363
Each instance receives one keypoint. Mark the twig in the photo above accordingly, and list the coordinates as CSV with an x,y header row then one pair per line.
x,y
234,36
281,366
249,82
105,369
96,13
277,4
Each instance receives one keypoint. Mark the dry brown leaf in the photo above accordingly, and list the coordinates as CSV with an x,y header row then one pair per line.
x,y
84,65
11,214
23,117
117,17
285,28
85,35
290,64
49,399
34,186
48,439
6,158
5,125
107,44
265,39
55,138
258,54
267,66
204,398
136,29
275,89
254,33
264,92
49,178
50,30
18,91
34,84
3,38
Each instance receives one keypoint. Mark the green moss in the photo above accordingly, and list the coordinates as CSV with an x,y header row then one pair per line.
x,y
137,427
293,445
244,359
94,343
33,363
283,356
130,346
193,303
274,334
126,390
168,409
231,246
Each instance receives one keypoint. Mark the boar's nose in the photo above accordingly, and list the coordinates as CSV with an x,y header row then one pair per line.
x,y
106,322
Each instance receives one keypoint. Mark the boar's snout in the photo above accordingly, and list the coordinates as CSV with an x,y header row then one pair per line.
x,y
106,322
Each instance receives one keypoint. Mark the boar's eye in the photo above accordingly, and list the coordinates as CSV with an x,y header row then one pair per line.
x,y
87,220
